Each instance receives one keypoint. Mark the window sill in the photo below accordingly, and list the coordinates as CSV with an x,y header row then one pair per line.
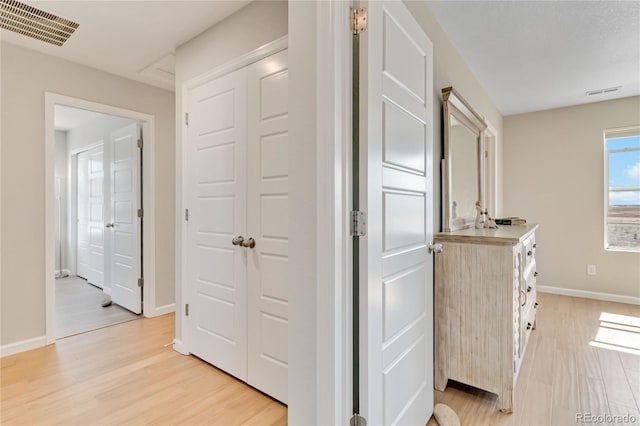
x,y
623,249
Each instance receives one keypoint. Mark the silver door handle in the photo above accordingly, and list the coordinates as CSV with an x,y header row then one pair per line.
x,y
110,225
435,248
251,243
237,241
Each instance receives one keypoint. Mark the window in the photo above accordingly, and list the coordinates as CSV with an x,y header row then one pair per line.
x,y
622,189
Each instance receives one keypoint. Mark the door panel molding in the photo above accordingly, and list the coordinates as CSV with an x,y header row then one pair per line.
x,y
267,223
396,191
216,193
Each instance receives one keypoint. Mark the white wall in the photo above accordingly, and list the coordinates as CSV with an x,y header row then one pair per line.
x,y
554,175
26,76
253,26
61,168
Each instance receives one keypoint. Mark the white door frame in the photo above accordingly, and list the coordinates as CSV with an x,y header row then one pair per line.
x,y
320,358
148,179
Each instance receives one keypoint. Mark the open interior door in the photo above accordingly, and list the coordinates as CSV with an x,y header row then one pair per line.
x,y
396,191
126,225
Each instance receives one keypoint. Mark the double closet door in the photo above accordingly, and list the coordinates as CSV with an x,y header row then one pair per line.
x,y
236,193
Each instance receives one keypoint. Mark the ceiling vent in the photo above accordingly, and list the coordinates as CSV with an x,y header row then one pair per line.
x,y
35,23
602,91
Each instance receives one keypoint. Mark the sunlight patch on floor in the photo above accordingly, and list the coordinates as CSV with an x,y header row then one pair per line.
x,y
619,333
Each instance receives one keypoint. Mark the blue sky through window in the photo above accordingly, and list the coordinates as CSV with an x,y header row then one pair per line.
x,y
624,170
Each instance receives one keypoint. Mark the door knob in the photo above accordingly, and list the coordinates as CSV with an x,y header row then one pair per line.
x,y
237,241
435,248
250,242
109,225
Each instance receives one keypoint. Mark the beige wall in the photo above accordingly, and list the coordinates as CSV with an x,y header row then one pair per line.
x,y
554,175
450,69
253,26
26,76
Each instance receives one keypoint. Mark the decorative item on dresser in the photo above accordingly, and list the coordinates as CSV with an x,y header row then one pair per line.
x,y
485,307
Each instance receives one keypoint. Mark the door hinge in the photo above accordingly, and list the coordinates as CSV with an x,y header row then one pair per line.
x,y
140,213
186,309
357,420
186,119
140,282
358,20
140,143
358,223
186,215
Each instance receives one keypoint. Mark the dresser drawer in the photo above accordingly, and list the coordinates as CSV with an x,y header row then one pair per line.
x,y
529,250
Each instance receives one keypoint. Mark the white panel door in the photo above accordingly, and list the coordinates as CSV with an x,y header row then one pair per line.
x,y
215,175
267,223
125,249
90,230
396,270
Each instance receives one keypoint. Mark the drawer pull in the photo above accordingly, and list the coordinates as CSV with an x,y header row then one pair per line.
x,y
536,305
529,289
535,274
529,253
534,245
528,326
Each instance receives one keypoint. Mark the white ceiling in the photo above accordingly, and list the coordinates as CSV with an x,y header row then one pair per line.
x,y
134,39
528,55
535,55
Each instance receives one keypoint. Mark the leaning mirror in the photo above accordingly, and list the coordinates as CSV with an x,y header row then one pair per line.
x,y
462,162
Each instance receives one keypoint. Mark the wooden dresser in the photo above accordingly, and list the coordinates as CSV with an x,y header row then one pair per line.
x,y
485,307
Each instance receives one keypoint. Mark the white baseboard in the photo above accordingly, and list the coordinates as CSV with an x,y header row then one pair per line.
x,y
64,271
178,346
161,310
589,294
22,346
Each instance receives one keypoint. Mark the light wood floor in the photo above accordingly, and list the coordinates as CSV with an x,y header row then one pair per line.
x,y
79,308
563,373
126,374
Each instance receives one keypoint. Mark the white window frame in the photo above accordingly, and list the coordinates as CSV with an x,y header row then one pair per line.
x,y
615,134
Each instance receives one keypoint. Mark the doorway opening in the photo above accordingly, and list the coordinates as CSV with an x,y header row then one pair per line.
x,y
98,183
98,161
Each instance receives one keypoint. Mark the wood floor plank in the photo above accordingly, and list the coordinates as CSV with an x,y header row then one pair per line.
x,y
537,407
126,375
593,399
565,381
545,350
634,384
615,379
